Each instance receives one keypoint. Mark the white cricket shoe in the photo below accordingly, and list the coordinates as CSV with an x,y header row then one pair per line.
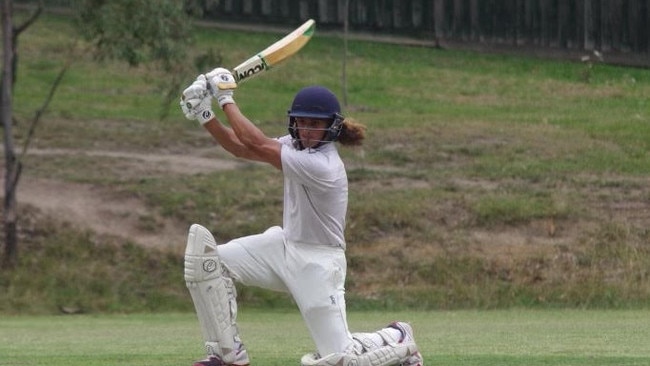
x,y
241,359
407,337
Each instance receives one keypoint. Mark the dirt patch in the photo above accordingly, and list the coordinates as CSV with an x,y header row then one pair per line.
x,y
89,207
105,212
154,162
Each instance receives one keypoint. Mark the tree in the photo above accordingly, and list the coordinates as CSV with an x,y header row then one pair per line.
x,y
151,32
155,32
13,167
6,116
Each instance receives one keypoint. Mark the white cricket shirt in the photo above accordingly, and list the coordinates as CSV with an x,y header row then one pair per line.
x,y
315,194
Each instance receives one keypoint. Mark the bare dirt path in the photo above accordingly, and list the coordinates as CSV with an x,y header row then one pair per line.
x,y
104,212
89,207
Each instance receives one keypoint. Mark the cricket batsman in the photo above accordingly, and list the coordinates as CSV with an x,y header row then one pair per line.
x,y
306,256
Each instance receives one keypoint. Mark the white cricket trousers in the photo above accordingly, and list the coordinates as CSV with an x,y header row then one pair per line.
x,y
313,275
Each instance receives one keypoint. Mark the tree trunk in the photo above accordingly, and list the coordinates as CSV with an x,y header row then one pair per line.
x,y
6,115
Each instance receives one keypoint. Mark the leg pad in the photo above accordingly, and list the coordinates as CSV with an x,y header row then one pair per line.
x,y
213,293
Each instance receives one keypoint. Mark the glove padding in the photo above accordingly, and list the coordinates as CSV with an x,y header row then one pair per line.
x,y
196,102
222,85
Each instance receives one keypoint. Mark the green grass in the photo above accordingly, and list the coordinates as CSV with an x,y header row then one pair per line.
x,y
480,338
485,181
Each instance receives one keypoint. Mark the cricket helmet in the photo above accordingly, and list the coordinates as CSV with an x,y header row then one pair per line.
x,y
316,102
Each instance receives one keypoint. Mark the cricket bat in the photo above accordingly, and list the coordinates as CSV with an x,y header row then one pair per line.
x,y
275,53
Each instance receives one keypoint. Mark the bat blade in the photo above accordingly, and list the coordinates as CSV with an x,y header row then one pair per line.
x,y
275,53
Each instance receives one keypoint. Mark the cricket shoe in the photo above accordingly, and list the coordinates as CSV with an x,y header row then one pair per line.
x,y
210,361
216,361
407,337
241,359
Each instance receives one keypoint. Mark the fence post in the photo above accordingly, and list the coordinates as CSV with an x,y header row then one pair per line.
x,y
439,19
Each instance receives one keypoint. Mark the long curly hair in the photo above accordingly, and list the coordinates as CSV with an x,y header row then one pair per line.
x,y
352,133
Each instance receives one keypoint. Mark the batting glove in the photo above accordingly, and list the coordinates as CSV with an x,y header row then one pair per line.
x,y
222,85
196,102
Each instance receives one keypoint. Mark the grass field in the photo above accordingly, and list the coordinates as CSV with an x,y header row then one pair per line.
x,y
485,182
454,338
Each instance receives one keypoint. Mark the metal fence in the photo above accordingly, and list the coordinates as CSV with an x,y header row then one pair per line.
x,y
605,25
616,26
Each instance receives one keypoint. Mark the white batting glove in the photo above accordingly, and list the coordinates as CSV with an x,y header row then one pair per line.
x,y
222,85
196,102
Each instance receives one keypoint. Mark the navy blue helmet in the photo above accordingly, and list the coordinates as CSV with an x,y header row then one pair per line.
x,y
316,102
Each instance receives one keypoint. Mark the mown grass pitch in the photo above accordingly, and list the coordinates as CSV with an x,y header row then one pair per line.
x,y
504,337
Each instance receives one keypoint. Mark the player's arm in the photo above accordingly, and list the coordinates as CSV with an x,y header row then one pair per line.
x,y
221,84
256,142
196,104
227,138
